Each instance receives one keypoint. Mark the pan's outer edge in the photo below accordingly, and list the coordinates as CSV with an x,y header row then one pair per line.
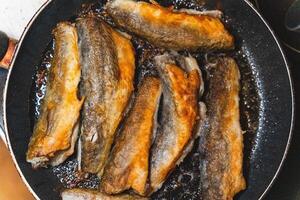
x,y
18,48
5,92
293,101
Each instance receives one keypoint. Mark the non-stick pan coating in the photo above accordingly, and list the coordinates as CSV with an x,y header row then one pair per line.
x,y
266,102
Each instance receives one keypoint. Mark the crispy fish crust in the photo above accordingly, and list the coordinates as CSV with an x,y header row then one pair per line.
x,y
221,171
180,112
56,130
128,164
83,194
108,65
170,29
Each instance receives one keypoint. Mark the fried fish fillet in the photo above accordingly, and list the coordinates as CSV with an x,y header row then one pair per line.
x,y
83,194
56,129
129,160
176,30
221,171
108,65
179,119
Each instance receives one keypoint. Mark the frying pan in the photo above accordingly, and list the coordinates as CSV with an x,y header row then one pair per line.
x,y
265,148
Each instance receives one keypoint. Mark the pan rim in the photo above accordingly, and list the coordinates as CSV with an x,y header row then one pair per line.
x,y
28,26
275,176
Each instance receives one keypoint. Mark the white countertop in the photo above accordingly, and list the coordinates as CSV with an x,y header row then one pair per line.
x,y
15,14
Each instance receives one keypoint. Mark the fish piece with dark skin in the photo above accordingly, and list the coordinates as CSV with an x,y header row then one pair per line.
x,y
174,30
108,66
84,194
222,141
56,129
180,114
128,165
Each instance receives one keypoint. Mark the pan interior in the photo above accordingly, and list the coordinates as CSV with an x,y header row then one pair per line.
x,y
183,183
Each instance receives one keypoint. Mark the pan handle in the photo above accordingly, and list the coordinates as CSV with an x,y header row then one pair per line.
x,y
3,136
7,49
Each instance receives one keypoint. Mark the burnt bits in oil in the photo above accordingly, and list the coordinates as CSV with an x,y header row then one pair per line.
x,y
70,177
40,83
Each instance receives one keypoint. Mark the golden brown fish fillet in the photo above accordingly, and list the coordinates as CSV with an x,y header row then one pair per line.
x,y
222,167
108,65
83,194
128,165
56,129
170,29
179,119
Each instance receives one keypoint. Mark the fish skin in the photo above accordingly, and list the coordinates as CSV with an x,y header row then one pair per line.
x,y
222,143
179,119
174,30
129,161
108,66
55,131
84,194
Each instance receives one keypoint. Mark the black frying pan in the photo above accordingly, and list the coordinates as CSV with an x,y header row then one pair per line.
x,y
268,119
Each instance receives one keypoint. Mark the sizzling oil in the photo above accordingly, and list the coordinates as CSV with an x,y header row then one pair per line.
x,y
183,183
